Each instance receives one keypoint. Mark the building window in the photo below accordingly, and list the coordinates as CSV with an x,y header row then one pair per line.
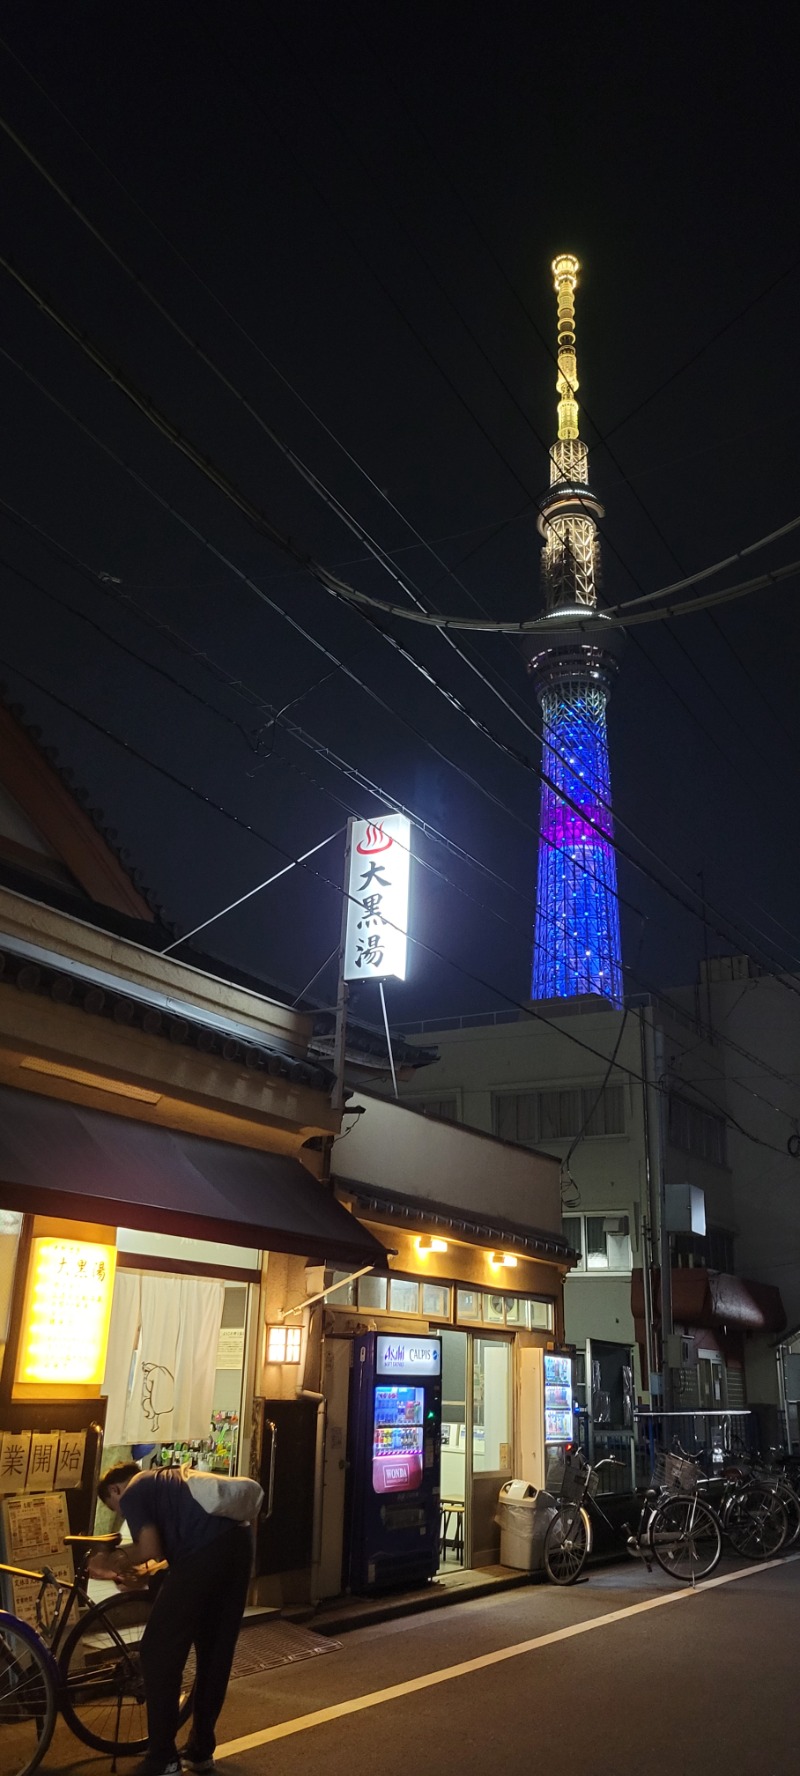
x,y
713,1251
372,1292
697,1131
10,1230
341,1289
532,1118
516,1311
445,1108
403,1296
436,1301
491,1406
603,1242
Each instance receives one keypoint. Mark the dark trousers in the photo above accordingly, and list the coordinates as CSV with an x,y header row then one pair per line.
x,y
200,1605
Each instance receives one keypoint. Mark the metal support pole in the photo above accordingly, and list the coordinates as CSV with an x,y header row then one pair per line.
x,y
665,1255
388,1038
649,1220
340,1037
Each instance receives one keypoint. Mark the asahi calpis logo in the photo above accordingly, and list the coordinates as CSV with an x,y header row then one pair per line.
x,y
408,1356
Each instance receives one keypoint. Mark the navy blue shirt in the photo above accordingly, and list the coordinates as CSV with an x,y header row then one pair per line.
x,y
164,1500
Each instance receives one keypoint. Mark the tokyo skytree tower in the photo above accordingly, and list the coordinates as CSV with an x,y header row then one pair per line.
x,y
576,940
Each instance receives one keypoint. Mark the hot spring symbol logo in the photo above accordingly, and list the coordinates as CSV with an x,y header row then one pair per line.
x,y
374,840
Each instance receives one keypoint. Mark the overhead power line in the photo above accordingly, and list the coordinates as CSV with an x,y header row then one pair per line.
x,y
331,500
265,526
323,99
381,795
528,1009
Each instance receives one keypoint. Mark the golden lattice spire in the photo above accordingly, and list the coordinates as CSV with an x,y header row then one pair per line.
x,y
565,278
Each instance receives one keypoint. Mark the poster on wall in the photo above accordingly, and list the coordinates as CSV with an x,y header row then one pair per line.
x,y
69,1467
42,1461
33,1529
15,1448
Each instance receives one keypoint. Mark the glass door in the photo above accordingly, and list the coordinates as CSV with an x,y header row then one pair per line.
x,y
491,1441
455,1451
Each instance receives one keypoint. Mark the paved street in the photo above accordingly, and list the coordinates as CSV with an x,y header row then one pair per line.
x,y
624,1673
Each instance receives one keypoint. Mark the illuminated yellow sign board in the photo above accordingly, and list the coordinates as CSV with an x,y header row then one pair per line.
x,y
67,1312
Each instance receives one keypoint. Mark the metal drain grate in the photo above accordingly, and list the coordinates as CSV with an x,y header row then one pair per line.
x,y
267,1644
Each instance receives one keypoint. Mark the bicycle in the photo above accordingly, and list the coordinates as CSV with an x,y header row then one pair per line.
x,y
758,1512
88,1669
676,1529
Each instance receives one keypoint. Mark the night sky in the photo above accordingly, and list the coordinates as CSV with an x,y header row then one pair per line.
x,y
353,209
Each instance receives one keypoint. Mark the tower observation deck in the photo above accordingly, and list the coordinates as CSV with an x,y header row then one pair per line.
x,y
576,940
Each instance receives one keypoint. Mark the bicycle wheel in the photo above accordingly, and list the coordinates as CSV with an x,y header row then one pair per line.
x,y
791,1505
27,1698
566,1545
756,1522
685,1537
102,1694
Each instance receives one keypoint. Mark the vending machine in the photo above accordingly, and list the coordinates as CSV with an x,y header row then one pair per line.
x,y
394,1441
558,1409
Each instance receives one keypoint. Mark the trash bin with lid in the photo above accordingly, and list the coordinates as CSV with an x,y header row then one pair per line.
x,y
523,1514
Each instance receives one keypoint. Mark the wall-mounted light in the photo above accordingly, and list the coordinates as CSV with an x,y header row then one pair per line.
x,y
283,1344
429,1242
503,1260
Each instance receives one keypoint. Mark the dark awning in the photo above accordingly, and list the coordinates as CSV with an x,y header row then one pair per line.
x,y
711,1298
418,1214
84,1165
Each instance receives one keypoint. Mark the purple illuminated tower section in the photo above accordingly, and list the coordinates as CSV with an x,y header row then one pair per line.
x,y
576,941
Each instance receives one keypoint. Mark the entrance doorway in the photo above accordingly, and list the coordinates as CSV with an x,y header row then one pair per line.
x,y
476,1445
454,1474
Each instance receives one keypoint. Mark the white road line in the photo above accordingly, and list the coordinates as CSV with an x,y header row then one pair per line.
x,y
375,1698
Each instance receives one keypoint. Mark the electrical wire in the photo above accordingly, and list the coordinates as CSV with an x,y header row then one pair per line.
x,y
265,526
420,824
324,493
405,613
603,437
429,949
322,100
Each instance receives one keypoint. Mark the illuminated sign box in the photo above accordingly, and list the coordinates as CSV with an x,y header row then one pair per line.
x,y
377,910
67,1312
413,1355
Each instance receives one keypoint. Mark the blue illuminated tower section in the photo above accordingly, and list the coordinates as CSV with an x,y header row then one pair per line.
x,y
576,941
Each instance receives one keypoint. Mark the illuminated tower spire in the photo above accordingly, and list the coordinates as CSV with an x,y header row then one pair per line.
x,y
576,942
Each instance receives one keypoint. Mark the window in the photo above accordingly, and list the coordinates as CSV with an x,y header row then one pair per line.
x,y
395,1294
522,1311
602,1242
342,1289
697,1131
491,1414
403,1296
714,1251
445,1108
436,1301
10,1229
532,1118
372,1291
